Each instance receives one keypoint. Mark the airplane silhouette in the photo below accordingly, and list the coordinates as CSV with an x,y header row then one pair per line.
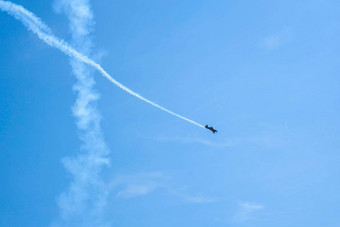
x,y
211,129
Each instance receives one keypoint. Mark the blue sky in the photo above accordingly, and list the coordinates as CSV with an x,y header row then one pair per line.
x,y
265,74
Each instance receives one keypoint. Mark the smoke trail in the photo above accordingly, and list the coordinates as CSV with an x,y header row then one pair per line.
x,y
25,16
28,19
84,202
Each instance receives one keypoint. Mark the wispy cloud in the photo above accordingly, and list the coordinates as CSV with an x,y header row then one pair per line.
x,y
276,40
246,211
129,186
142,184
194,198
272,139
205,142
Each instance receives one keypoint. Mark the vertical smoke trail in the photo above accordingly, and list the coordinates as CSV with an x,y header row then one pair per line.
x,y
68,50
82,204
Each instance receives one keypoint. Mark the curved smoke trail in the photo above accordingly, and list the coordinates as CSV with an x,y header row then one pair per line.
x,y
43,32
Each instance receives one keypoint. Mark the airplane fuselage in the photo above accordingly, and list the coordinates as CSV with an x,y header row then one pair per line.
x,y
211,129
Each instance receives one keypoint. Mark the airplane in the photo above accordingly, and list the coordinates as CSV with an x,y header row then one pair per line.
x,y
211,129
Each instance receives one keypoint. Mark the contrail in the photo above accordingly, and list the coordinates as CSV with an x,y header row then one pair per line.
x,y
43,32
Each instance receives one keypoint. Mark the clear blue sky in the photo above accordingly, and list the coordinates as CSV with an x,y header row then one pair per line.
x,y
264,73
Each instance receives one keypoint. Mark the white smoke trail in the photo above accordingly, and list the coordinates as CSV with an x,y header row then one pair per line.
x,y
25,16
84,202
28,19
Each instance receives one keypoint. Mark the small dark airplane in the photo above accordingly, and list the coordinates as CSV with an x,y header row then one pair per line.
x,y
211,129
